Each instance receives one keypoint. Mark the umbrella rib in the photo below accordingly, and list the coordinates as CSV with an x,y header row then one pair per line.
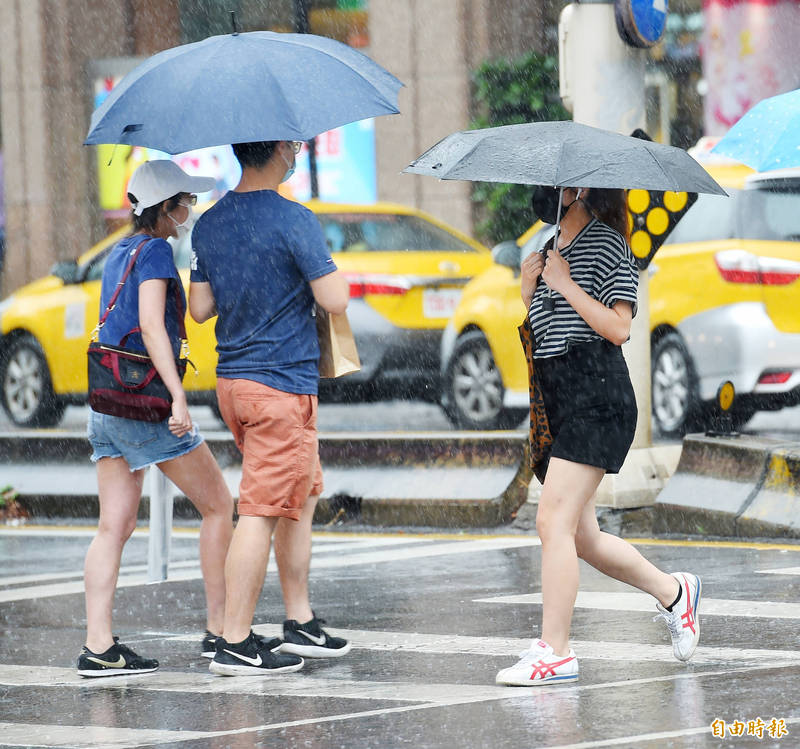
x,y
663,171
471,150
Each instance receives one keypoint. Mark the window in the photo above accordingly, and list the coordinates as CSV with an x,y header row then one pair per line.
x,y
771,212
711,217
385,232
181,249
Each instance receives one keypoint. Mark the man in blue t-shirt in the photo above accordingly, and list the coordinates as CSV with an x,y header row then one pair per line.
x,y
260,262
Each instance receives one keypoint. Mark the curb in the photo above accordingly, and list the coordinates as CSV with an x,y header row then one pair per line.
x,y
732,485
444,479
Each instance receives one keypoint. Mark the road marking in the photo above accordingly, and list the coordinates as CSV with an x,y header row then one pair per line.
x,y
393,552
759,545
641,738
423,697
90,530
780,571
364,639
643,602
25,734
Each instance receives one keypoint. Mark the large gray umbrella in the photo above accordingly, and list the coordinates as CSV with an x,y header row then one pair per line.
x,y
563,154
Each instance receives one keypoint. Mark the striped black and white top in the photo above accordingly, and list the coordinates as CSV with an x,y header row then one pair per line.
x,y
601,263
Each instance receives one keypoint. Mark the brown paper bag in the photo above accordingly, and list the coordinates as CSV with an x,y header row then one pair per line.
x,y
337,349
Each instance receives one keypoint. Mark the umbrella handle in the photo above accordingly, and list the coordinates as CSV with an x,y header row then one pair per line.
x,y
548,303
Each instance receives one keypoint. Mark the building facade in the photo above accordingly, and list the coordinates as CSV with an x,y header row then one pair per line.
x,y
53,52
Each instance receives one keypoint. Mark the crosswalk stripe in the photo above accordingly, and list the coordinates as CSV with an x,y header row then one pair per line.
x,y
341,558
423,696
366,639
619,601
23,734
780,571
642,738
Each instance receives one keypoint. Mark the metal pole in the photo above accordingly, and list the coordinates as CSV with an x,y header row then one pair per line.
x,y
158,544
301,26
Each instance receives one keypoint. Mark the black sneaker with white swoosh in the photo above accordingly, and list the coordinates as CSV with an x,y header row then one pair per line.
x,y
209,645
311,641
118,659
254,656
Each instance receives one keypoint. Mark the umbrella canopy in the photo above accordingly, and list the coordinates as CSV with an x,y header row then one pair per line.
x,y
563,154
238,88
767,136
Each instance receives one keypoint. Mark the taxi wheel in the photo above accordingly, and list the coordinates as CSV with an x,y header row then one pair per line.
x,y
675,401
475,389
27,391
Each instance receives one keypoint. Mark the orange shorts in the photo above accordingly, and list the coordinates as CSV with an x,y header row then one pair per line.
x,y
277,435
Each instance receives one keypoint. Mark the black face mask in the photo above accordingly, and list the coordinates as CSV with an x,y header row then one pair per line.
x,y
544,203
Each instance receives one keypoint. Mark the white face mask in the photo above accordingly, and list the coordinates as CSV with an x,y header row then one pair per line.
x,y
186,226
289,170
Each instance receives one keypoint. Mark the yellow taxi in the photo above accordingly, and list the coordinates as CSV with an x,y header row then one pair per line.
x,y
724,301
406,271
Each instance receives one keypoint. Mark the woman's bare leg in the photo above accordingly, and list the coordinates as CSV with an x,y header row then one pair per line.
x,y
617,558
567,489
198,476
119,492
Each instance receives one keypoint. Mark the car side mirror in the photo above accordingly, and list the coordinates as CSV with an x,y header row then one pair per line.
x,y
66,270
507,254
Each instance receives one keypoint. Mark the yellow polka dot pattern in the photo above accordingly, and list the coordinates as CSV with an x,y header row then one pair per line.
x,y
651,217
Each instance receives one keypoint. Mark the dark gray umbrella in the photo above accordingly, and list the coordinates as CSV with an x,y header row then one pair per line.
x,y
563,154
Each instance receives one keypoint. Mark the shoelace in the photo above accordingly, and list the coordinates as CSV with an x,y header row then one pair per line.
x,y
671,618
125,650
531,653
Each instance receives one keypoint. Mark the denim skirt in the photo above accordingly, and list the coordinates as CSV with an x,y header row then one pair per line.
x,y
590,404
141,443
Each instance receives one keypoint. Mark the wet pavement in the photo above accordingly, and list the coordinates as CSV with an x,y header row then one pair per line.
x,y
432,618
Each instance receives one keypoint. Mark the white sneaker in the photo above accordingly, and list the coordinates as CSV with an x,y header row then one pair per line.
x,y
684,621
539,665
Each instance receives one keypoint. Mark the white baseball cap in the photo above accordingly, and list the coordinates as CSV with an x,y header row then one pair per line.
x,y
155,181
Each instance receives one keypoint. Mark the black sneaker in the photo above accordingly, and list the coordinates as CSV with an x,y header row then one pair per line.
x,y
209,645
254,656
118,659
311,641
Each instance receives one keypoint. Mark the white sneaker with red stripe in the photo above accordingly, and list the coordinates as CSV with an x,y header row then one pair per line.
x,y
684,621
539,665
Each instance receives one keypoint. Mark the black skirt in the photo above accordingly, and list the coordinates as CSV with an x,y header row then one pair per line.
x,y
590,404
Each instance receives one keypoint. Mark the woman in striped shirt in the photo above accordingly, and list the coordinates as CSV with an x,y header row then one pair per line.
x,y
581,299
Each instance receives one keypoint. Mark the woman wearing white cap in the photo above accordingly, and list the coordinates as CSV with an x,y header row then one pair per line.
x,y
146,314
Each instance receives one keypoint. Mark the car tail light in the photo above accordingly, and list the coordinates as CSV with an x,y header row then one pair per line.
x,y
774,378
386,285
739,266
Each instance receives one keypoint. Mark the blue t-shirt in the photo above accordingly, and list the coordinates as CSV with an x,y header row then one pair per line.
x,y
154,261
259,251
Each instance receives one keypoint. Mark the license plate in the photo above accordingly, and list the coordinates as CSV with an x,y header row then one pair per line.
x,y
439,303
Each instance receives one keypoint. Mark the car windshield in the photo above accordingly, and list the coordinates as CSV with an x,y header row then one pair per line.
x,y
711,217
771,211
386,232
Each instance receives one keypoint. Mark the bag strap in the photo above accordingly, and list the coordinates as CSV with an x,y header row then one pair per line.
x,y
121,283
